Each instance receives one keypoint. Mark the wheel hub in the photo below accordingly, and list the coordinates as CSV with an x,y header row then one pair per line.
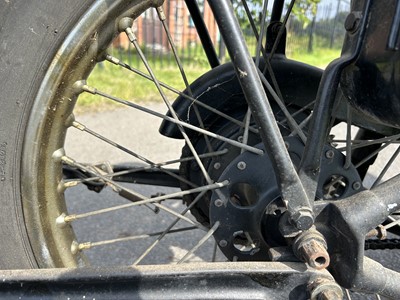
x,y
250,207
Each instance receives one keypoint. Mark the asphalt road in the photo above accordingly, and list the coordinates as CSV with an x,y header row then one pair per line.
x,y
139,133
133,130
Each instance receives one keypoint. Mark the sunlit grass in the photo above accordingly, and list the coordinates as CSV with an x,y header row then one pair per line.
x,y
122,83
320,57
126,85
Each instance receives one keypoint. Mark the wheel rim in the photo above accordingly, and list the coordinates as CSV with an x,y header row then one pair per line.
x,y
51,117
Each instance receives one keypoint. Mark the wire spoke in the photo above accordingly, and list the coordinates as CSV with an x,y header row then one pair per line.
x,y
387,166
348,138
134,196
127,193
393,223
133,40
302,124
277,95
90,245
200,243
174,213
162,235
371,155
116,61
84,128
140,199
163,18
261,35
347,294
362,143
291,121
214,252
246,128
264,53
94,91
308,106
144,168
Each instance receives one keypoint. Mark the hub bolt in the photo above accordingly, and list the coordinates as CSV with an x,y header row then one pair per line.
x,y
356,185
241,165
218,203
223,243
329,154
217,165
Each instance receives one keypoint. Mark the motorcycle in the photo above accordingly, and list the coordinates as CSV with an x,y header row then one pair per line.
x,y
289,207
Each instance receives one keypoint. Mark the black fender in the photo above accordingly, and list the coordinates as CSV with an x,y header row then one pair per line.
x,y
220,89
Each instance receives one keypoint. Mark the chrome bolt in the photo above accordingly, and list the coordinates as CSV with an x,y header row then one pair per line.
x,y
241,165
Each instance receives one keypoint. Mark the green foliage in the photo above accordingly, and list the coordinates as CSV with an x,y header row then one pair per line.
x,y
255,7
305,10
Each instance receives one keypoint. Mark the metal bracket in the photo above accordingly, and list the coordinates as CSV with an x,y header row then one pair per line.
x,y
188,281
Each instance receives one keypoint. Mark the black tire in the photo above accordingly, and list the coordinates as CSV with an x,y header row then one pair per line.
x,y
31,33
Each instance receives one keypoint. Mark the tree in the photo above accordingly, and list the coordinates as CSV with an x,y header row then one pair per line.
x,y
305,10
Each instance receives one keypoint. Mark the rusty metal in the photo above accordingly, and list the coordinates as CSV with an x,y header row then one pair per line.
x,y
325,289
380,232
310,246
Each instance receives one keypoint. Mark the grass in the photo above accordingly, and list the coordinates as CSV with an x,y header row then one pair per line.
x,y
126,85
320,57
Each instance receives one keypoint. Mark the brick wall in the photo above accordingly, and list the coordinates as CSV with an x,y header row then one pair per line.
x,y
149,30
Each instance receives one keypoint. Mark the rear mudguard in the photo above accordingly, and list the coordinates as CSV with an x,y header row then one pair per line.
x,y
220,89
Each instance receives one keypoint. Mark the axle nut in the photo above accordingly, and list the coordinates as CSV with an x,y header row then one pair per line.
x,y
325,289
310,247
314,253
303,219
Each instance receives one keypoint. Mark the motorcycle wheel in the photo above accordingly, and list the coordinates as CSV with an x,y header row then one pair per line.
x,y
45,59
